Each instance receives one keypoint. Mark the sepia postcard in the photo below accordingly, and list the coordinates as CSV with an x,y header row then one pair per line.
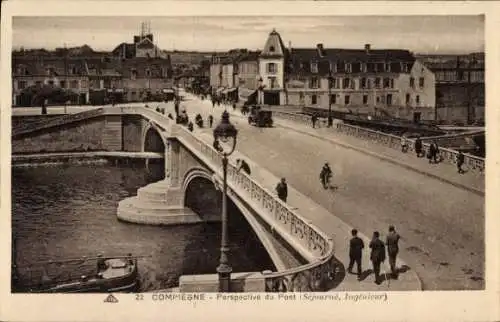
x,y
258,160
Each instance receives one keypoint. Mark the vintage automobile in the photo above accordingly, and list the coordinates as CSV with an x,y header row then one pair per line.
x,y
260,117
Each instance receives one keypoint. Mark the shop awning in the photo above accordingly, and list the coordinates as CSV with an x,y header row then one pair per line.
x,y
230,90
220,90
168,90
115,90
244,93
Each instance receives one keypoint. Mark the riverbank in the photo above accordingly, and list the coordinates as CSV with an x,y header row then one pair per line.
x,y
95,157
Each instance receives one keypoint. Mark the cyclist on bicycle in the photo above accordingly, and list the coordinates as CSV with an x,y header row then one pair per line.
x,y
325,175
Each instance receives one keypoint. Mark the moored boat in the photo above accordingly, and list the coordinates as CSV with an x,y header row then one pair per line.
x,y
112,274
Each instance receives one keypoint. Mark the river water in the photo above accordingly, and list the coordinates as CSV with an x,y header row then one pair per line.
x,y
69,211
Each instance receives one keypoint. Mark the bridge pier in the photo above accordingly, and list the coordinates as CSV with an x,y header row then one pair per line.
x,y
162,202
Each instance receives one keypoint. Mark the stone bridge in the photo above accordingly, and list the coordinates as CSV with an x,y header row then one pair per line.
x,y
189,162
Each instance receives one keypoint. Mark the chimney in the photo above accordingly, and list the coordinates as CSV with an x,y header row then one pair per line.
x,y
367,48
321,51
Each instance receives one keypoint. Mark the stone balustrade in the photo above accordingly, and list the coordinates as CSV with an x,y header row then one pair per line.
x,y
447,155
295,229
299,118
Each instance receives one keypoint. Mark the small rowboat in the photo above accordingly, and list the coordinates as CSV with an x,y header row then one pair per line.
x,y
119,274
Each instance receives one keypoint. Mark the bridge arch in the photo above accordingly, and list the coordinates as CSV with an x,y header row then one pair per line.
x,y
153,139
208,204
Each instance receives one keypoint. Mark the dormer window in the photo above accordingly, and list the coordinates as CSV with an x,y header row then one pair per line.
x,y
314,67
348,68
271,49
333,67
387,67
404,67
363,67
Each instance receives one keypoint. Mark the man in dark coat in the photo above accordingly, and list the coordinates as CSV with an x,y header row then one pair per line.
x,y
377,255
356,246
314,118
418,147
242,165
392,241
460,162
210,120
282,189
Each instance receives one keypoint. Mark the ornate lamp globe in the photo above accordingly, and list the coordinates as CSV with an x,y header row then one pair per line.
x,y
225,130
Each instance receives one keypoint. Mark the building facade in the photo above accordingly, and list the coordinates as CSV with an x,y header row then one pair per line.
x,y
460,88
388,82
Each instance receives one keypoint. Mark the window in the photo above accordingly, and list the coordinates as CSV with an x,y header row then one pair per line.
x,y
271,68
387,82
364,68
377,82
404,67
338,82
333,83
333,67
421,82
368,83
387,67
333,99
83,83
314,99
314,83
391,83
417,99
148,72
348,68
314,68
133,74
38,83
365,99
363,82
21,84
347,100
408,97
389,99
74,84
271,49
50,82
63,84
272,82
347,83
412,82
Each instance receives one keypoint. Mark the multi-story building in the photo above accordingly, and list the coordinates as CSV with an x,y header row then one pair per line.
x,y
34,72
248,75
94,77
460,88
390,82
143,46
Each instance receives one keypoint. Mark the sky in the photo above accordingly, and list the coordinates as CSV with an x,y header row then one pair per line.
x,y
420,34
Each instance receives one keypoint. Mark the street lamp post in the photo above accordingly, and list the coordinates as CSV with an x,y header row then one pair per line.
x,y
225,132
330,82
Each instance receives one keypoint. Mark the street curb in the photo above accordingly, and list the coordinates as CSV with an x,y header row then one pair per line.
x,y
387,159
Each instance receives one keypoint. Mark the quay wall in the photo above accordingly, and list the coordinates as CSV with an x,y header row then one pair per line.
x,y
102,133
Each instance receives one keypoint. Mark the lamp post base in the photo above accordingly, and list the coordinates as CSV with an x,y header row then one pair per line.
x,y
224,272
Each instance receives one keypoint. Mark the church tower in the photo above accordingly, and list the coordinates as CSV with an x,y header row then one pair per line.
x,y
272,70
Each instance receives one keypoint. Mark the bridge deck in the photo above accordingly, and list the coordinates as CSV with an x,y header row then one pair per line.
x,y
132,155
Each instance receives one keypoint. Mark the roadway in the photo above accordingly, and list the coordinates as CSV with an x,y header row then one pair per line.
x,y
442,226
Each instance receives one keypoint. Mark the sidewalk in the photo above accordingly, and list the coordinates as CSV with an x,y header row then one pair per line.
x,y
334,227
471,181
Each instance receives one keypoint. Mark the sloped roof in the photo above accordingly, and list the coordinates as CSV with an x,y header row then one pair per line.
x,y
59,66
300,59
274,46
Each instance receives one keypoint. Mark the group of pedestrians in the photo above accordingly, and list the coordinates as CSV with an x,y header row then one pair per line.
x,y
377,253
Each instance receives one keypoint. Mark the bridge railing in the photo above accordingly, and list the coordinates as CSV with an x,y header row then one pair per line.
x,y
447,155
56,121
295,229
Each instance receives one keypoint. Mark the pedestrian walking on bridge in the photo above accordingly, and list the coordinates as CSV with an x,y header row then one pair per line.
x,y
377,255
282,189
356,246
460,162
392,241
314,119
210,120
